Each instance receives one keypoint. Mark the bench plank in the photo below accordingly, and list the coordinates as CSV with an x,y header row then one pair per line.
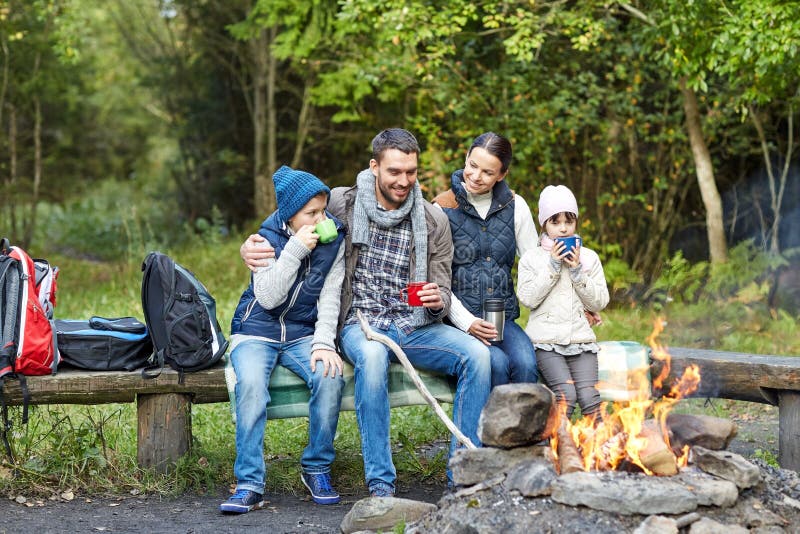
x,y
72,386
734,375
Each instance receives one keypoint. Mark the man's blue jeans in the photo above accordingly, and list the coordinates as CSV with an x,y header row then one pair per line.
x,y
514,358
436,347
253,360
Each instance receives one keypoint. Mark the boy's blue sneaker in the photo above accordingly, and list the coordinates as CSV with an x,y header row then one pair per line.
x,y
319,484
242,502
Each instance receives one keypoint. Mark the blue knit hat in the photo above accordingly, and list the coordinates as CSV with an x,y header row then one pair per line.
x,y
293,189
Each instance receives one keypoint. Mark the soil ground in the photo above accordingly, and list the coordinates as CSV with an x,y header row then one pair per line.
x,y
287,513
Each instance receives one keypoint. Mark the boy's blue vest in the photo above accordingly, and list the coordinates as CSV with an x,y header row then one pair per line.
x,y
483,249
296,316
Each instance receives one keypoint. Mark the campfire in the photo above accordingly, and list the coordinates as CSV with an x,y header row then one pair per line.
x,y
629,436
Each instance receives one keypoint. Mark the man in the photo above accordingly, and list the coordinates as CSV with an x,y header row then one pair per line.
x,y
397,237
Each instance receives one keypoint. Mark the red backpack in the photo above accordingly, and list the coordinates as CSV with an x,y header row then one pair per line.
x,y
28,297
27,339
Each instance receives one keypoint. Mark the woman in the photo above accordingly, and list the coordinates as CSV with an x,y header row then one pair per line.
x,y
491,226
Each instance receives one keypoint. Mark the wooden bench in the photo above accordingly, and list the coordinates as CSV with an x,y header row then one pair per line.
x,y
164,406
748,377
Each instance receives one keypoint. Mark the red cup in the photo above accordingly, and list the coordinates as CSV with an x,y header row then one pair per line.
x,y
410,293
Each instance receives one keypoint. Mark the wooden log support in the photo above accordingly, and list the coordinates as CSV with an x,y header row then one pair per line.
x,y
165,429
789,430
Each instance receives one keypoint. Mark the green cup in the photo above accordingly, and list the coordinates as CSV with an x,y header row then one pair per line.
x,y
326,230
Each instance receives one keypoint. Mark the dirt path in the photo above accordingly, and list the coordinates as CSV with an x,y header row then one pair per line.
x,y
189,514
198,514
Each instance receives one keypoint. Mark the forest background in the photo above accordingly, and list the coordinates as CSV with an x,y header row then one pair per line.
x,y
134,125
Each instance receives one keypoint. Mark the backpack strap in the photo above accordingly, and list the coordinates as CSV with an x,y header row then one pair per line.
x,y
158,365
6,423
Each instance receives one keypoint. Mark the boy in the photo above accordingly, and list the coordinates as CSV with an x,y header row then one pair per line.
x,y
288,316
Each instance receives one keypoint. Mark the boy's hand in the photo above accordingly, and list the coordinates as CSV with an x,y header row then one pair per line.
x,y
256,251
307,236
483,330
331,361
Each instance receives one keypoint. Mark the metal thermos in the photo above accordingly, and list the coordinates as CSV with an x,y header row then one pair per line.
x,y
494,311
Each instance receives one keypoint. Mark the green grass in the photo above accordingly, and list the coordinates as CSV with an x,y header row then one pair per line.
x,y
93,448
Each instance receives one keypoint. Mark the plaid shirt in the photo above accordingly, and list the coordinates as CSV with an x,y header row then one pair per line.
x,y
380,275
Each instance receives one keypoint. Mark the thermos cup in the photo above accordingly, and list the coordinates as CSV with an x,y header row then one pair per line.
x,y
494,311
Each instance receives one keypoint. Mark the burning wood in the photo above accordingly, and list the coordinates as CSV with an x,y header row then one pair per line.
x,y
632,433
656,456
569,459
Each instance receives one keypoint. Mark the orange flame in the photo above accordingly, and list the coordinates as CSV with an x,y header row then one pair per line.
x,y
621,434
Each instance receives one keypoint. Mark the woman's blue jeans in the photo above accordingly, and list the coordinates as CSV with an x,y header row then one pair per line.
x,y
253,361
514,358
436,347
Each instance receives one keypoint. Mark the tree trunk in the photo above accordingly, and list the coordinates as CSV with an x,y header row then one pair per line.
x,y
30,226
12,168
263,123
775,190
303,123
717,246
272,122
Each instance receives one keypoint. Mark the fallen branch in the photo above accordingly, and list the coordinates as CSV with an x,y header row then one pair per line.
x,y
374,336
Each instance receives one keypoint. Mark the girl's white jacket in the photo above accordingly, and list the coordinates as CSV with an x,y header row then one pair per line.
x,y
557,302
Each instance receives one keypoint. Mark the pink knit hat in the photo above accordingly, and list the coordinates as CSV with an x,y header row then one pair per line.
x,y
555,199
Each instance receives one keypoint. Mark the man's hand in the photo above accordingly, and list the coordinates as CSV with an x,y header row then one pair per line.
x,y
332,362
431,296
255,251
483,330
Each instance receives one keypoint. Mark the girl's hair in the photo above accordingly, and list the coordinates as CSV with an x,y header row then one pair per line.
x,y
496,145
554,219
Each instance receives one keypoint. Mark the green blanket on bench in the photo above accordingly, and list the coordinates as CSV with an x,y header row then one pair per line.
x,y
289,394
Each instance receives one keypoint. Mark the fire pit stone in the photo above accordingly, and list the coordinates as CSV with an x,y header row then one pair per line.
x,y
727,465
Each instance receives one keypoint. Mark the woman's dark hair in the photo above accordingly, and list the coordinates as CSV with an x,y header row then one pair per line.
x,y
496,145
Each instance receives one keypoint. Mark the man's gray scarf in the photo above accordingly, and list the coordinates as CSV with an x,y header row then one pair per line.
x,y
366,209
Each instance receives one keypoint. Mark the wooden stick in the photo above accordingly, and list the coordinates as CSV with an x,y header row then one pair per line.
x,y
569,459
374,336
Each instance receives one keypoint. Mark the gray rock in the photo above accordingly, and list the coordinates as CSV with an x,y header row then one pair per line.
x,y
623,493
757,515
382,513
657,524
727,465
709,526
706,431
709,490
531,478
518,414
470,466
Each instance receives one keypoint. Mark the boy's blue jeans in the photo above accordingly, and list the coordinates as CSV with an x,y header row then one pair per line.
x,y
436,347
253,360
514,358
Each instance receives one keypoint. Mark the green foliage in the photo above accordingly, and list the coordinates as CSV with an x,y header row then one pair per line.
x,y
768,457
681,281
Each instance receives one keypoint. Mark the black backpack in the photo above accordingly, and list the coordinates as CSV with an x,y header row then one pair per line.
x,y
181,317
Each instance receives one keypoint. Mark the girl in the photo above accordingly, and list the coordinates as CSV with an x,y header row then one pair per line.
x,y
490,226
558,284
